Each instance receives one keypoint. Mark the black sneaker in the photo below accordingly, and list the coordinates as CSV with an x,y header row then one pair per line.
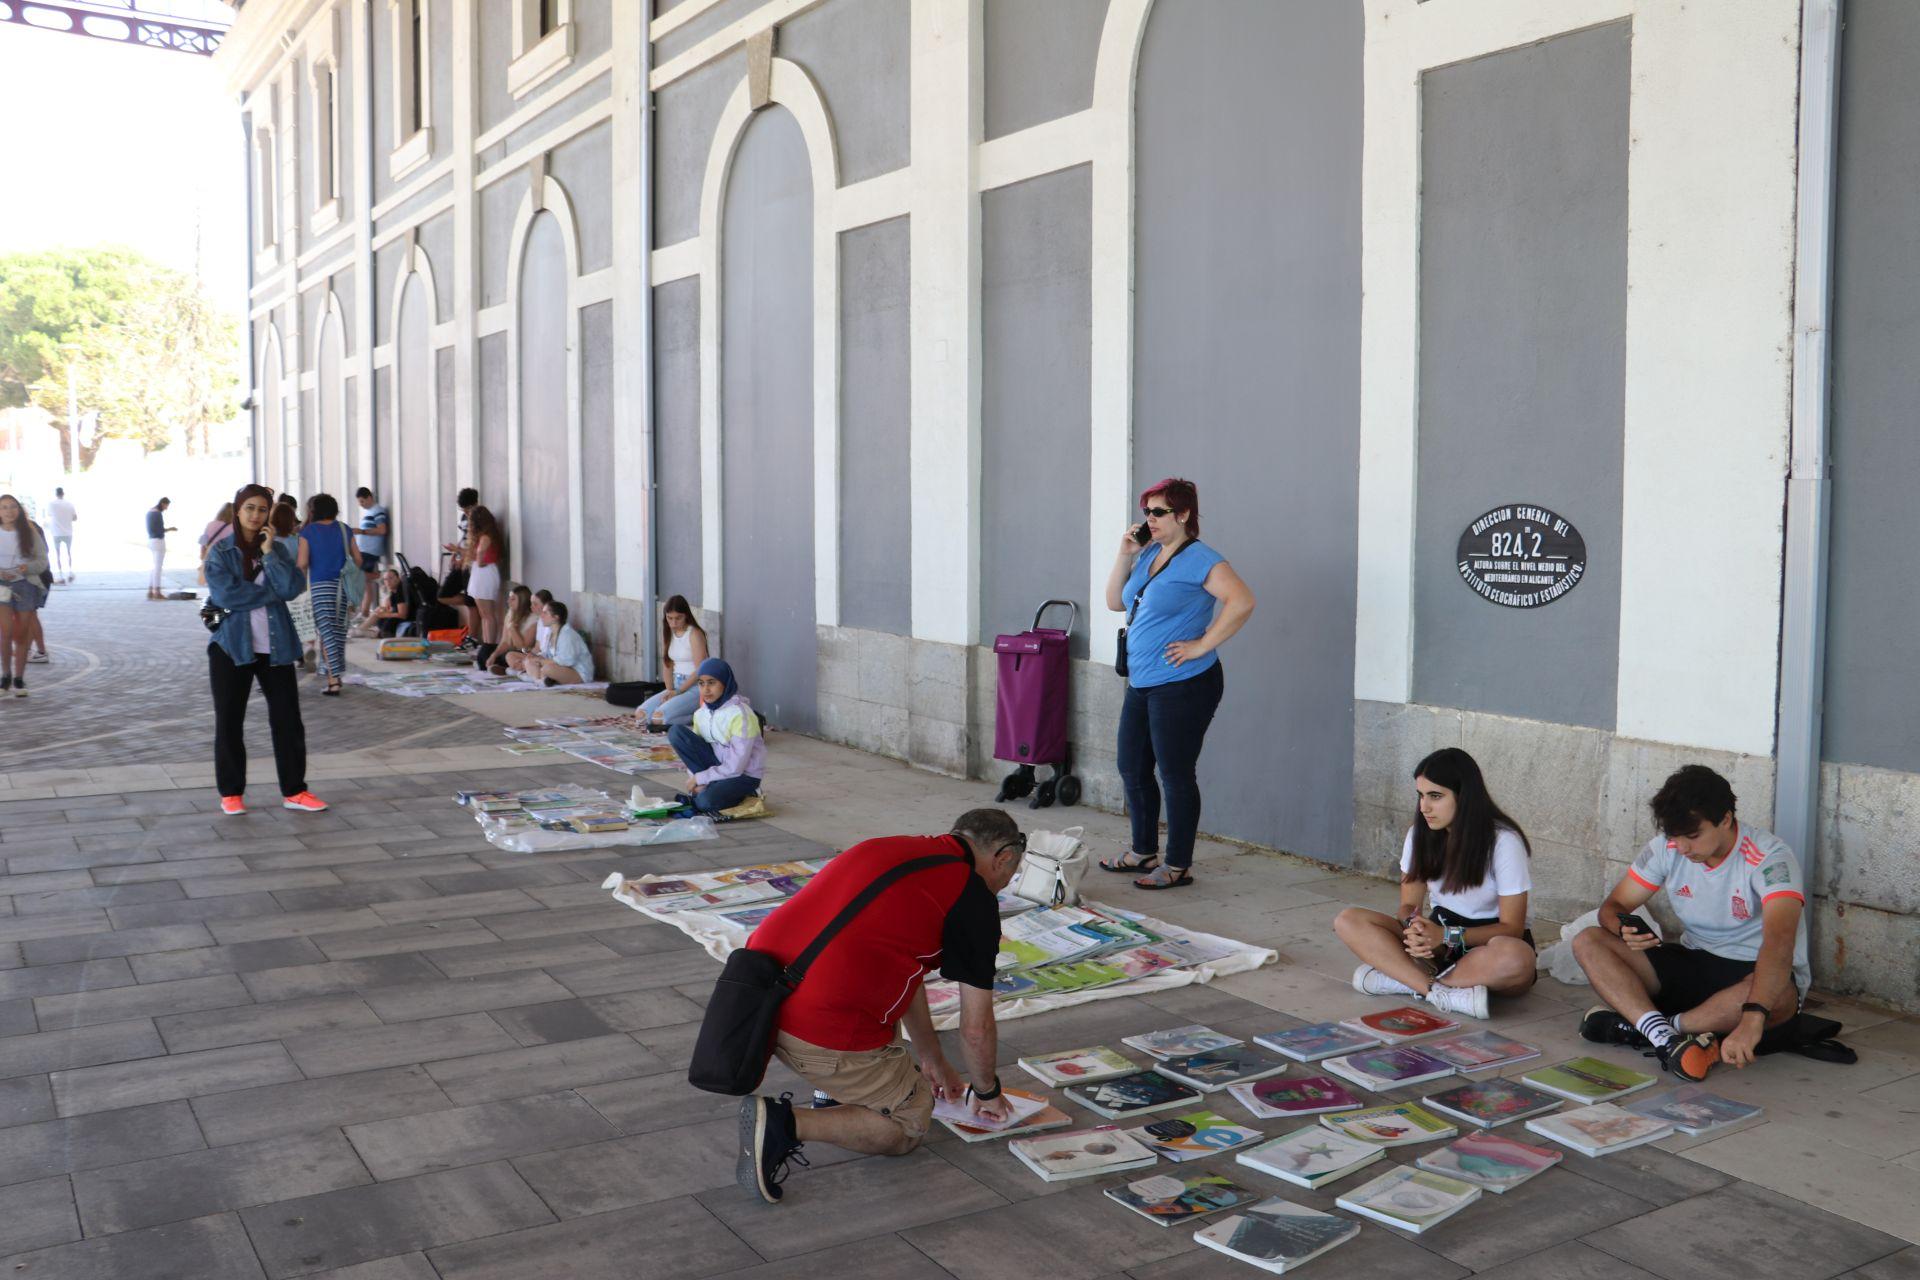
x,y
6,683
768,1143
19,686
1690,1057
1603,1026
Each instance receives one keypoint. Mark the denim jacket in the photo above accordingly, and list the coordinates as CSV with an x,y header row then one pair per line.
x,y
228,588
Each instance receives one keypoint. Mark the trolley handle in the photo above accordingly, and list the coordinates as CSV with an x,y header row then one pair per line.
x,y
1073,617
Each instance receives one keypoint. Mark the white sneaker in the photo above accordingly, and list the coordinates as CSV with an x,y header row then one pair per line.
x,y
1369,981
1470,1001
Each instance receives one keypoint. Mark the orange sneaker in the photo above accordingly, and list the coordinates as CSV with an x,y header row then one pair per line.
x,y
1691,1056
306,801
232,806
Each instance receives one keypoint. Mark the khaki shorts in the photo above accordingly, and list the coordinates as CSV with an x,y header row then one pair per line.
x,y
883,1080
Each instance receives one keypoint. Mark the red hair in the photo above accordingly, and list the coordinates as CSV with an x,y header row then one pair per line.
x,y
1181,498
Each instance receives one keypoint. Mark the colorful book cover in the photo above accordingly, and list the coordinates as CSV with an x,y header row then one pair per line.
x,y
1588,1080
1021,1107
1196,1135
1131,1095
1217,1068
1079,1066
1691,1109
1388,1068
1138,962
1168,1199
1178,1042
1392,1126
1489,1161
1009,985
1320,1040
1311,1156
1277,1235
1048,1117
1082,1153
1404,1023
748,917
1488,1103
1311,1095
1411,1199
1479,1050
1599,1129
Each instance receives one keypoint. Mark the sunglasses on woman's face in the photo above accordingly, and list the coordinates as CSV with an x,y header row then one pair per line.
x,y
1158,512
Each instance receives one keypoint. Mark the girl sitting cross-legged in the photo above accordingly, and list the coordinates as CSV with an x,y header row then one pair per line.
x,y
725,748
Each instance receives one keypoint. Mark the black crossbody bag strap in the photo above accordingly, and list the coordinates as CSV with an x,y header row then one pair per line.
x,y
802,962
1157,571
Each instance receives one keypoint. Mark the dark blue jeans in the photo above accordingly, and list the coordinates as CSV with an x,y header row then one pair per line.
x,y
697,754
1165,727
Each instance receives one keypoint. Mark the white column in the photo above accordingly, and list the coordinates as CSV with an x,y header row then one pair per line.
x,y
632,307
464,43
361,214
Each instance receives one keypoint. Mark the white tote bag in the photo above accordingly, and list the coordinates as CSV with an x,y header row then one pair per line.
x,y
1053,868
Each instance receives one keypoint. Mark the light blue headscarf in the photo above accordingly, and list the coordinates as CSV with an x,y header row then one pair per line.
x,y
719,670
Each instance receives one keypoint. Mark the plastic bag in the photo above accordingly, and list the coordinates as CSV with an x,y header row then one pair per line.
x,y
1558,959
540,840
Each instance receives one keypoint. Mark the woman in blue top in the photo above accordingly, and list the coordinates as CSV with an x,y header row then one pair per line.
x,y
323,554
1167,582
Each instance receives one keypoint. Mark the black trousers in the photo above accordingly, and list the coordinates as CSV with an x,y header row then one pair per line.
x,y
232,685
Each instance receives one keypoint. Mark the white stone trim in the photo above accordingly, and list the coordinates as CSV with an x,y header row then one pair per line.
x,y
861,204
311,255
793,89
1044,148
420,183
677,261
537,58
411,154
412,137
678,16
571,127
553,199
771,14
491,320
426,213
333,328
580,77
271,380
594,287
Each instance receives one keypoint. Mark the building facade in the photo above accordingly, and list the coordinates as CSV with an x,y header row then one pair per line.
x,y
862,323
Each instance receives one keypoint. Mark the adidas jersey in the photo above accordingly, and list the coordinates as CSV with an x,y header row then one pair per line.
x,y
1721,908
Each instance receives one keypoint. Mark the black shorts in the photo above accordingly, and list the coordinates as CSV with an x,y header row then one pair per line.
x,y
369,563
1447,957
1689,977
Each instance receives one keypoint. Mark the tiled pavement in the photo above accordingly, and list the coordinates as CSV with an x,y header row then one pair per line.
x,y
367,1045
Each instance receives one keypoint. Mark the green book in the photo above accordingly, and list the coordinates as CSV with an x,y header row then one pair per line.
x,y
1588,1080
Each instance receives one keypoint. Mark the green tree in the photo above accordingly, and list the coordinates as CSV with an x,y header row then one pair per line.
x,y
146,348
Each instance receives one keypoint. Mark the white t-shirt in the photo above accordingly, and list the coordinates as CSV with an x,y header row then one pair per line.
x,y
60,517
1509,875
1721,907
9,549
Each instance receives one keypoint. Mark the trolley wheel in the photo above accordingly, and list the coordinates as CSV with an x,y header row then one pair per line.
x,y
1042,795
1016,784
1068,790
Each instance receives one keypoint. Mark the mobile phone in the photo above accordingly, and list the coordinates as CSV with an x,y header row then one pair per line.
x,y
1141,535
1632,921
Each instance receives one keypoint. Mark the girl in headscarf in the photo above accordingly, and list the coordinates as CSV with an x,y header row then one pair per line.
x,y
724,749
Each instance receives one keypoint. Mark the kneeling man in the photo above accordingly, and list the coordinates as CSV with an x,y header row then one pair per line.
x,y
1740,968
840,1029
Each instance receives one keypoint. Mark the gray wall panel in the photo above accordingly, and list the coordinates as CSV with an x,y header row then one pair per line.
x,y
583,166
386,276
1246,377
684,116
330,415
766,433
856,51
875,515
450,481
1035,310
676,436
544,552
722,15
1523,259
1040,57
492,359
384,482
1872,701
499,206
493,29
596,444
413,371
436,241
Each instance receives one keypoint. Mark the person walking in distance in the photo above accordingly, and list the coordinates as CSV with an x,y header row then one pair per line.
x,y
250,578
23,559
157,531
60,518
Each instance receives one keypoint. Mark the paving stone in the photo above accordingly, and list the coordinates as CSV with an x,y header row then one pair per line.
x,y
404,1266
54,901
642,1010
130,1196
352,895
96,1141
236,907
627,1172
152,999
456,906
551,1023
258,882
391,939
60,924
661,1100
506,878
241,957
1797,1240
678,1240
295,924
141,873
645,939
36,1214
1570,1261
408,1145
333,977
1548,1210
881,1258
1647,1173
295,1237
248,1115
78,1047
516,1072
10,957
57,979
121,942
635,973
180,1075
44,881
460,995
1904,1265
535,924
25,1100
403,866
505,957
16,1017
213,1248
863,1198
312,855
74,860
331,1053
257,1022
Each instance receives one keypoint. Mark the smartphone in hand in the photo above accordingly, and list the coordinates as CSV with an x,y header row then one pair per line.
x,y
1629,920
1141,534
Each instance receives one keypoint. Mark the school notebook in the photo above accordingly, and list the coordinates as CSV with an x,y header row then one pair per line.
x,y
1691,1109
1179,1042
1277,1235
1588,1080
1600,1129
1215,1069
1308,1096
1133,1095
1411,1199
1311,1157
1083,1153
1404,1023
1047,1117
1479,1050
1393,1126
1388,1067
1487,1103
1168,1198
1079,1066
1490,1161
1195,1135
1320,1040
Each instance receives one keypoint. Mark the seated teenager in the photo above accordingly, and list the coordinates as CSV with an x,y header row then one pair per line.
x,y
516,629
390,608
567,660
724,749
542,633
1741,967
683,647
1470,860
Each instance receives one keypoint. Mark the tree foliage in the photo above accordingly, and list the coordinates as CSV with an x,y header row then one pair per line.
x,y
148,351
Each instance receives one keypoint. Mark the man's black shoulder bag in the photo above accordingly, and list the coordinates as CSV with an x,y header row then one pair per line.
x,y
736,1037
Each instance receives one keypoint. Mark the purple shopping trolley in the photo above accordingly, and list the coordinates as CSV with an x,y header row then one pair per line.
x,y
1030,721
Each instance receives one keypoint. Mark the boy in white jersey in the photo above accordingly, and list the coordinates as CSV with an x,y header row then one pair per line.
x,y
1741,966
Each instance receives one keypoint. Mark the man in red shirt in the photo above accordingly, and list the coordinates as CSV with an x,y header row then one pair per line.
x,y
840,1029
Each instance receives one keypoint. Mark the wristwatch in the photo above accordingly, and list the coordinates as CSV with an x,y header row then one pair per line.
x,y
1750,1007
987,1095
1456,935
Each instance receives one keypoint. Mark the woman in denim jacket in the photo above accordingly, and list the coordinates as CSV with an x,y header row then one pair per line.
x,y
250,577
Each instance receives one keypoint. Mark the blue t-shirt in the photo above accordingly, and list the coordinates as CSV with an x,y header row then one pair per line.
x,y
373,544
326,550
156,523
1174,607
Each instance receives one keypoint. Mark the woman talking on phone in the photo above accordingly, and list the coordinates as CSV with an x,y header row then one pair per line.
x,y
1168,583
250,578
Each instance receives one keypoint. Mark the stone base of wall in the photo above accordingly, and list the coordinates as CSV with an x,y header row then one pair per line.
x,y
1866,921
896,696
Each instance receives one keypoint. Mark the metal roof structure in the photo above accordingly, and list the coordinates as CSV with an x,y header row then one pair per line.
x,y
182,26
